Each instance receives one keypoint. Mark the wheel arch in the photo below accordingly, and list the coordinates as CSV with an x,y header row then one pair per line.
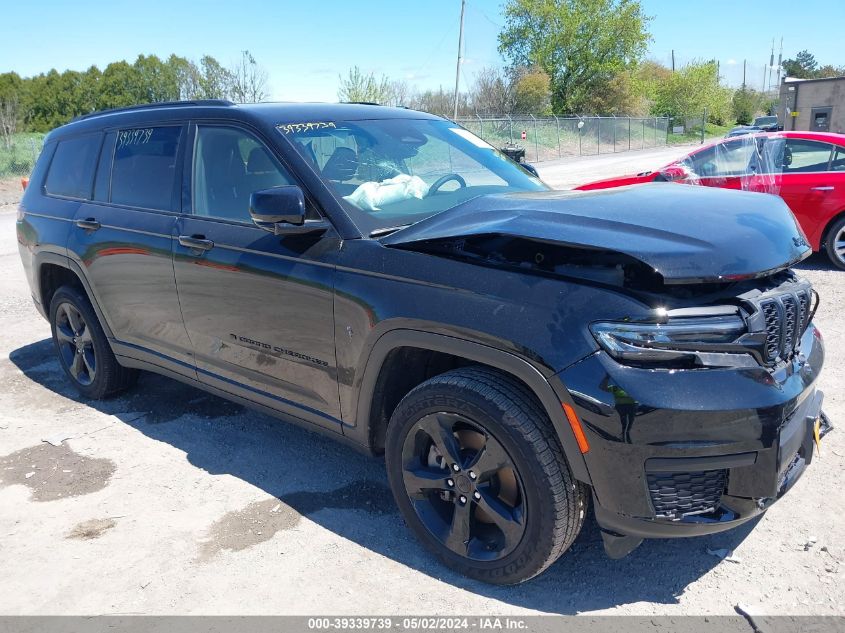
x,y
836,217
371,416
54,271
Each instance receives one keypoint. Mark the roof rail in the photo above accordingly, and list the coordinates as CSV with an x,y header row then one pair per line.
x,y
159,104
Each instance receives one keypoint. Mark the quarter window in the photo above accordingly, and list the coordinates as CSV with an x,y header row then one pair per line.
x,y
838,163
72,168
229,165
805,156
144,167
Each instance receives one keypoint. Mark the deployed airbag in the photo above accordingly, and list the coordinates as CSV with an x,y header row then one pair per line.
x,y
371,196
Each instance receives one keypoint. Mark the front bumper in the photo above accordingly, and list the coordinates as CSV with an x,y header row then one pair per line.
x,y
692,452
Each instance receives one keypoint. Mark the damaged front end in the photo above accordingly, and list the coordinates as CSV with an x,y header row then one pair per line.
x,y
700,406
645,238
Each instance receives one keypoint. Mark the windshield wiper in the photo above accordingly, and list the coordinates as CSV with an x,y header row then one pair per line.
x,y
388,230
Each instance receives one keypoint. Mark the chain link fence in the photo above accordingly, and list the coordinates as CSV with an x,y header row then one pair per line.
x,y
18,153
547,138
544,138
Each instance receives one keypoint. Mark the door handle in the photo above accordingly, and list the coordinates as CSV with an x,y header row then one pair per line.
x,y
197,242
89,224
826,188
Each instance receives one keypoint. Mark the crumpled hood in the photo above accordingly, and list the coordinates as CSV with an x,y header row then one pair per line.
x,y
686,234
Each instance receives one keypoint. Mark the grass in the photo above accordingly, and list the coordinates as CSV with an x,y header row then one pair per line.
x,y
18,157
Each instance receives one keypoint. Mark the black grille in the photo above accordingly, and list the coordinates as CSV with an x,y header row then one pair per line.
x,y
803,310
676,495
790,322
772,316
785,318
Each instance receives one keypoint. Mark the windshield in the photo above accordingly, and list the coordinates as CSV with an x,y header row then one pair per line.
x,y
765,120
393,172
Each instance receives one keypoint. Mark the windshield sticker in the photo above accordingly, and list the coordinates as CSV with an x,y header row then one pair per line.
x,y
472,138
295,128
134,137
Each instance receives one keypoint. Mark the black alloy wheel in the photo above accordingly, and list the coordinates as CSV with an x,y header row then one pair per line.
x,y
82,346
479,475
76,347
464,487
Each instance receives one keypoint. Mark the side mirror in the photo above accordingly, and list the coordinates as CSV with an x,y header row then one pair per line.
x,y
673,173
281,211
530,168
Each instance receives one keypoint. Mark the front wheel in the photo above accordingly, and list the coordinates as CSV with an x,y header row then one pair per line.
x,y
83,349
834,244
479,476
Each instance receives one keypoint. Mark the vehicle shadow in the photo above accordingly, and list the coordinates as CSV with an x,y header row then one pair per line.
x,y
816,261
326,481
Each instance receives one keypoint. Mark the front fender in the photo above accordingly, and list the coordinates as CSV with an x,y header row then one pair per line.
x,y
551,398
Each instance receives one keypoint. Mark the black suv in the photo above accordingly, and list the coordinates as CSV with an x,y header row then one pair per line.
x,y
387,277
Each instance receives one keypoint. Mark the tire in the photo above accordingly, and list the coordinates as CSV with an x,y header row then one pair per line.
x,y
83,349
521,517
836,233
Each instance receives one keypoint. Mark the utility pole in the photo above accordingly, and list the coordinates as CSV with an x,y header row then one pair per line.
x,y
771,63
460,46
743,73
780,60
673,60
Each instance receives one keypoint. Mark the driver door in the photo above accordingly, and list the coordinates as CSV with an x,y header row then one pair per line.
x,y
258,307
724,165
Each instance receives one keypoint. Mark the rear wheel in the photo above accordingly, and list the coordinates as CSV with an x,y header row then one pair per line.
x,y
479,476
834,243
83,349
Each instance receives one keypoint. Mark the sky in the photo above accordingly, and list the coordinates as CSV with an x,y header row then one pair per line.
x,y
305,46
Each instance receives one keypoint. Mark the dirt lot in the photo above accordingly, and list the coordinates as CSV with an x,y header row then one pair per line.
x,y
168,500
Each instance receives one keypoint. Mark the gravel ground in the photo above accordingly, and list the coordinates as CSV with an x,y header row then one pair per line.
x,y
171,501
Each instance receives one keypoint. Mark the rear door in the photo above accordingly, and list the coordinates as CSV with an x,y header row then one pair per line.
x,y
811,180
122,240
724,165
258,307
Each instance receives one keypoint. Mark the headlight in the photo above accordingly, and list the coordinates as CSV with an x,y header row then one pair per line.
x,y
712,341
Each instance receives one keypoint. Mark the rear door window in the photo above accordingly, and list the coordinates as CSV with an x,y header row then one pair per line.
x,y
144,167
72,168
805,156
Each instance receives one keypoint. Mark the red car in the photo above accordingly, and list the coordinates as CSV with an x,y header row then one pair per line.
x,y
806,169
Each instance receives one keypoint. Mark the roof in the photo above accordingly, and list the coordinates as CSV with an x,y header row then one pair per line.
x,y
262,113
797,80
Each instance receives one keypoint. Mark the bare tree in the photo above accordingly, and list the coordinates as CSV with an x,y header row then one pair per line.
x,y
249,80
400,93
492,92
8,118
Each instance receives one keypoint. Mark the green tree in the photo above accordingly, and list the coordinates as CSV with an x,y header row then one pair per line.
x,y
157,81
828,70
366,87
746,103
532,92
803,66
580,44
216,81
623,95
686,93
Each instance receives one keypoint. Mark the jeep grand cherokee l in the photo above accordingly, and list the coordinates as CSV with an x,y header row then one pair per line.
x,y
387,277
